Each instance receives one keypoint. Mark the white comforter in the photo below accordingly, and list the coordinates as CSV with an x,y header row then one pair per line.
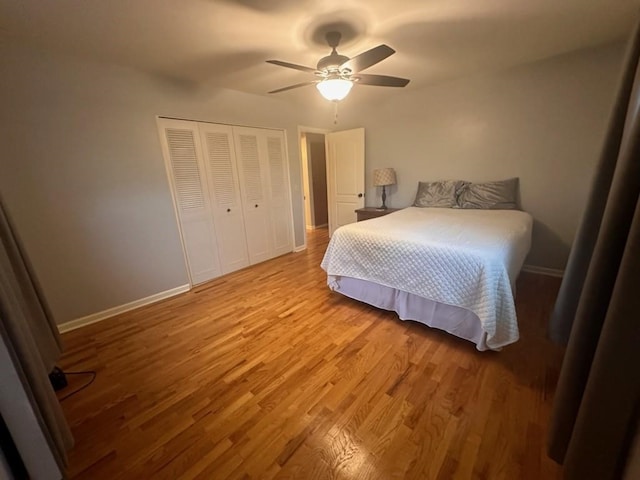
x,y
467,258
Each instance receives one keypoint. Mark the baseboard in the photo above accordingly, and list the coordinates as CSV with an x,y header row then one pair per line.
x,y
300,248
552,272
111,312
317,227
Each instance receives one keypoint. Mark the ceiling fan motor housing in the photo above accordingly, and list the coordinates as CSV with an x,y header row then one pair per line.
x,y
331,63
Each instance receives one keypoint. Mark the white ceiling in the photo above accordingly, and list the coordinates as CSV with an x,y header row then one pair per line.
x,y
225,42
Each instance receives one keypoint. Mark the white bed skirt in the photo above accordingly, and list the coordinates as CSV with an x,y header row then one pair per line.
x,y
454,320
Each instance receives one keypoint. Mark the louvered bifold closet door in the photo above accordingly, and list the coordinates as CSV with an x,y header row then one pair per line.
x,y
280,203
253,187
183,159
224,185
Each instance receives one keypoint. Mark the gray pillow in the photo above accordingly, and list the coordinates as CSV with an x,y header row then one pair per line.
x,y
498,195
438,194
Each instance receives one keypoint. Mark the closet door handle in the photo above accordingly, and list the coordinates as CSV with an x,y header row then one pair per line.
x,y
256,205
359,195
228,209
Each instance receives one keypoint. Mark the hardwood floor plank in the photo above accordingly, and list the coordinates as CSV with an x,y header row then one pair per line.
x,y
265,373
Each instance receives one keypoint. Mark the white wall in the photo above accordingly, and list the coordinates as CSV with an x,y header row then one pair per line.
x,y
83,174
542,122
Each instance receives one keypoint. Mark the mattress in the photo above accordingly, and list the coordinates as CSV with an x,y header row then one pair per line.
x,y
468,259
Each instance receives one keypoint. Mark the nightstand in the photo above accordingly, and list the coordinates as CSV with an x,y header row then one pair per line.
x,y
372,212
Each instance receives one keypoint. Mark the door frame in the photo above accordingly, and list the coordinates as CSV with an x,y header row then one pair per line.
x,y
301,130
307,192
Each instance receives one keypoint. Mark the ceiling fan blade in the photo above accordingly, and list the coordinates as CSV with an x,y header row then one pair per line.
x,y
292,65
381,80
297,85
368,58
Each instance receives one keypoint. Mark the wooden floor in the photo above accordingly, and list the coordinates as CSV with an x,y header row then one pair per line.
x,y
265,373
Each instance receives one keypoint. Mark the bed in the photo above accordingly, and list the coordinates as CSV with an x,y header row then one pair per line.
x,y
452,269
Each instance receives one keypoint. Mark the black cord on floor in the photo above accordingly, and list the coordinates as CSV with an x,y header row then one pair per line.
x,y
87,372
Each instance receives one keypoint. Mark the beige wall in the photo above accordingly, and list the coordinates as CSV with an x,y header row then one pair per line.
x,y
83,174
542,122
318,165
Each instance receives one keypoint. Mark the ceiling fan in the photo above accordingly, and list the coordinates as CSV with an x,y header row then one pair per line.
x,y
337,73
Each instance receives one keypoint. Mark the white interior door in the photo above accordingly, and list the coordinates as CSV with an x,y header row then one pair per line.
x,y
345,176
253,188
224,185
279,202
183,158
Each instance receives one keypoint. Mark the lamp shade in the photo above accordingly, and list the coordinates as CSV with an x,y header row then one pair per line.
x,y
384,176
334,88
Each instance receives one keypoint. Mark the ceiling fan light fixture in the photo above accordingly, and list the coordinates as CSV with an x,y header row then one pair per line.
x,y
335,89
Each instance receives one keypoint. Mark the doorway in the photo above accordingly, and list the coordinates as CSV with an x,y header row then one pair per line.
x,y
314,178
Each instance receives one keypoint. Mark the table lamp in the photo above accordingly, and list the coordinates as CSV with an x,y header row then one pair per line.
x,y
381,178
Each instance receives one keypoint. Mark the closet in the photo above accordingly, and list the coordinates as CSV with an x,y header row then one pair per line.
x,y
230,187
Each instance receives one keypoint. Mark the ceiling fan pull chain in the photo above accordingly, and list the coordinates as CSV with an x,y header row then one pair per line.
x,y
335,112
